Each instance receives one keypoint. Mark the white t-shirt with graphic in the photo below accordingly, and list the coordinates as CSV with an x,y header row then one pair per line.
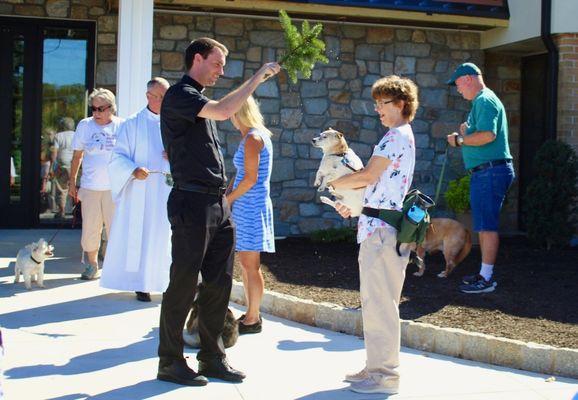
x,y
97,142
390,189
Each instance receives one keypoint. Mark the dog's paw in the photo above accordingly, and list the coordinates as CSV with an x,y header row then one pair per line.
x,y
321,189
418,273
442,274
327,200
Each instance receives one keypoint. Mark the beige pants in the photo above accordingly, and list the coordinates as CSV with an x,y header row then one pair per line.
x,y
382,273
97,208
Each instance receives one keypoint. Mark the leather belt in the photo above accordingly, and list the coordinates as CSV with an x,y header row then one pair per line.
x,y
191,187
489,164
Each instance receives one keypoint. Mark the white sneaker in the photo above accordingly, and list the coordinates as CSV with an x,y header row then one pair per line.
x,y
358,376
376,384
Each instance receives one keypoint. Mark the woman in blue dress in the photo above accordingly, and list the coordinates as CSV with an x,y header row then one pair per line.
x,y
251,205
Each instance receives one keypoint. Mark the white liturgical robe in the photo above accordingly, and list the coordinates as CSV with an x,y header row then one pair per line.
x,y
138,254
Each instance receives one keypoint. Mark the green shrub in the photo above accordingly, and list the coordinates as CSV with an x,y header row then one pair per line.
x,y
458,195
334,235
550,203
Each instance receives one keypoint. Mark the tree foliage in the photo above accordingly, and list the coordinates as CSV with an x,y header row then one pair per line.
x,y
550,203
304,48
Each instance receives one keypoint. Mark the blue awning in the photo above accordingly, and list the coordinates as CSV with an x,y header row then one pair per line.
x,y
472,8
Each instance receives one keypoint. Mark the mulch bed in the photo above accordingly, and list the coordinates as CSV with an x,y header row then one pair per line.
x,y
535,300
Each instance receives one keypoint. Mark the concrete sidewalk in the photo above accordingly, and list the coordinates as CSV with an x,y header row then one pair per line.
x,y
74,340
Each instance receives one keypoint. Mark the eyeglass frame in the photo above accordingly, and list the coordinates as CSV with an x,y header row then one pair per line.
x,y
100,109
380,103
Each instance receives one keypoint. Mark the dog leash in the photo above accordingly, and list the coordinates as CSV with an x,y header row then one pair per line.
x,y
441,178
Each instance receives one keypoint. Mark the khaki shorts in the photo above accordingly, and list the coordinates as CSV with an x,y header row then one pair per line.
x,y
97,208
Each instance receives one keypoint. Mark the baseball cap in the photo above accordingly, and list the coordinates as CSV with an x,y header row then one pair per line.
x,y
463,70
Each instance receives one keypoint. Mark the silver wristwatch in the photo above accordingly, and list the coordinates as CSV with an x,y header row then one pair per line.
x,y
459,140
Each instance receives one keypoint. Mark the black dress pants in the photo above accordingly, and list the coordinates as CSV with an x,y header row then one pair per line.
x,y
203,239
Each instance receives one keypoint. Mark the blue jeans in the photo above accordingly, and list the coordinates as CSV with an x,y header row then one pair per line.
x,y
488,190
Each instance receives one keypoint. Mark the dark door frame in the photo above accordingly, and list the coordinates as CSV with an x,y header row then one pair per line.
x,y
527,143
25,214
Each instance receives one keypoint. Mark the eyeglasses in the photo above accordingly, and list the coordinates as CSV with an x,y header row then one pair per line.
x,y
155,96
100,109
380,103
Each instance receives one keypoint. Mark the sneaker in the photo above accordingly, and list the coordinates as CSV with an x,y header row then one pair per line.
x,y
376,384
91,272
480,285
469,279
358,376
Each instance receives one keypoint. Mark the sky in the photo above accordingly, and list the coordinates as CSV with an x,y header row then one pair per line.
x,y
64,61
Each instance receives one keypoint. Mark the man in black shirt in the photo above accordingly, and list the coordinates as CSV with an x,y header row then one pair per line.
x,y
202,233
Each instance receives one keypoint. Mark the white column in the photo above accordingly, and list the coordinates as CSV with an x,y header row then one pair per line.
x,y
135,54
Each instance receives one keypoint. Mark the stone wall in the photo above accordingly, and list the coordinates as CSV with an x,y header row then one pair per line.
x,y
337,95
568,88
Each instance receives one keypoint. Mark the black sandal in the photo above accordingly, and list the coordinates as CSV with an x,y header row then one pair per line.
x,y
253,328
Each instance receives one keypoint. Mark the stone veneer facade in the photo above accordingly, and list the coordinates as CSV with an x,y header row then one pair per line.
x,y
337,95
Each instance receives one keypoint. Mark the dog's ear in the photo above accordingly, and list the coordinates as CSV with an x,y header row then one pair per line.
x,y
339,135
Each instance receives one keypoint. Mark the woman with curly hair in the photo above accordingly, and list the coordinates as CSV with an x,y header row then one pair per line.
x,y
387,179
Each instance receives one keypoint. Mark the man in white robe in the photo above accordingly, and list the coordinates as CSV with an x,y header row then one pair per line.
x,y
138,255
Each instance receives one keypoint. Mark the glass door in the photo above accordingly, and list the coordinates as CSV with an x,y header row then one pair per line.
x,y
46,71
64,95
17,72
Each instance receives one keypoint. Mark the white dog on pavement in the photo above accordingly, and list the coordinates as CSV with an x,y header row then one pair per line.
x,y
30,263
338,160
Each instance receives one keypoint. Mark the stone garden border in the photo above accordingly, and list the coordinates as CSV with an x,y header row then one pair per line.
x,y
426,337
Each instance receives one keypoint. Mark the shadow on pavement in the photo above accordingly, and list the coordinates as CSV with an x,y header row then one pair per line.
x,y
332,344
92,362
142,390
86,308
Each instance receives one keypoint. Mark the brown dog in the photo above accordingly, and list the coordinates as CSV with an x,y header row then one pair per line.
x,y
450,237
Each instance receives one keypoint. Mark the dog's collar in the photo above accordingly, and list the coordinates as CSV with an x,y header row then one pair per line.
x,y
37,262
345,161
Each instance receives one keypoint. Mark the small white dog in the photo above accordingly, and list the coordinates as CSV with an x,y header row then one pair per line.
x,y
338,160
30,263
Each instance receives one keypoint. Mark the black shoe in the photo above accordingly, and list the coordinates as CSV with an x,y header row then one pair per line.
x,y
253,328
220,369
143,296
179,372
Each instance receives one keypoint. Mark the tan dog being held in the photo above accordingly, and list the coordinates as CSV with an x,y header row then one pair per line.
x,y
338,160
448,236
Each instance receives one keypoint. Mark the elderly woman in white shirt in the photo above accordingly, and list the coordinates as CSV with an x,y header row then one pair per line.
x,y
93,142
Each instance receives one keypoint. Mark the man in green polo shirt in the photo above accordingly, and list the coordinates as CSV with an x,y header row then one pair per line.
x,y
483,139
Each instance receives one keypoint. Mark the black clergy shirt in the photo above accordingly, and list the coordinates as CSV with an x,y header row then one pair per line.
x,y
191,142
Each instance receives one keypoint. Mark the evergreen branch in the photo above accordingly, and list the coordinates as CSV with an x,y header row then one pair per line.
x,y
304,49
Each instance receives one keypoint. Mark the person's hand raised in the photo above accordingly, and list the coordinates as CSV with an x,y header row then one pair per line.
x,y
268,70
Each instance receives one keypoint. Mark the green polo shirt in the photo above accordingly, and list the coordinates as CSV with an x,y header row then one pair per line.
x,y
487,114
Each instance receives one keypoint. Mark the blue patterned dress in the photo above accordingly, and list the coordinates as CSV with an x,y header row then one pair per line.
x,y
253,211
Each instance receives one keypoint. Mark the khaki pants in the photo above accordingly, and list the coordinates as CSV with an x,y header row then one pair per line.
x,y
382,273
97,208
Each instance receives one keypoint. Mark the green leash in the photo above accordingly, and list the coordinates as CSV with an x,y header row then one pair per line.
x,y
441,179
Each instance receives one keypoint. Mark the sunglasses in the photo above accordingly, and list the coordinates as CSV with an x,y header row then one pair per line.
x,y
100,109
